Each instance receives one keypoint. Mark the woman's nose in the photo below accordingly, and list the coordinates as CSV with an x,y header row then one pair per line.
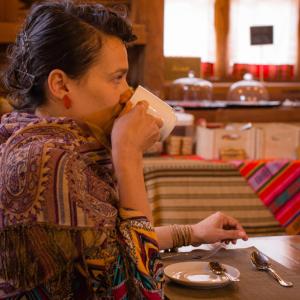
x,y
126,95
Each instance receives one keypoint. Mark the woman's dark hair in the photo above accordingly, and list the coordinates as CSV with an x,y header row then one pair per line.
x,y
58,35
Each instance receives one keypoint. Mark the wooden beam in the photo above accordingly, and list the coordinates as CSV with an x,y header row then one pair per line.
x,y
222,20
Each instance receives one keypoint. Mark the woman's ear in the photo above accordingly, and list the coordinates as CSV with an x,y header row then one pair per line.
x,y
57,83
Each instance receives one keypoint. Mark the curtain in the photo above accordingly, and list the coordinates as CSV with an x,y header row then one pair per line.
x,y
277,60
189,31
269,72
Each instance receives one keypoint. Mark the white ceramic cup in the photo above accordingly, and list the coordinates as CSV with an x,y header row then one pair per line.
x,y
157,108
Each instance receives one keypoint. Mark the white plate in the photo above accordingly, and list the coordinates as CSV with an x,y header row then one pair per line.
x,y
198,274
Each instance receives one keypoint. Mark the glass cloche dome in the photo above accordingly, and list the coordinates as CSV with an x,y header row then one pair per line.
x,y
248,90
190,88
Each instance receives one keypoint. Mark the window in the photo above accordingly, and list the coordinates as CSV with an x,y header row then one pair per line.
x,y
189,29
278,59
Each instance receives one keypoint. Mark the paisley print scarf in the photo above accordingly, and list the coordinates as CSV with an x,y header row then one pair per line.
x,y
62,232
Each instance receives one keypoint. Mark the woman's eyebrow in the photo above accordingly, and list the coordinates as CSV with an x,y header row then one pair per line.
x,y
121,70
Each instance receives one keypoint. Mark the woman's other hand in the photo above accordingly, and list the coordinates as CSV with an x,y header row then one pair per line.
x,y
216,228
135,130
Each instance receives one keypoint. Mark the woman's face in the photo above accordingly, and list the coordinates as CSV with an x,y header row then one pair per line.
x,y
96,96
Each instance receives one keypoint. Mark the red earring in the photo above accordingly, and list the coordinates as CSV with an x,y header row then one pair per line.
x,y
67,101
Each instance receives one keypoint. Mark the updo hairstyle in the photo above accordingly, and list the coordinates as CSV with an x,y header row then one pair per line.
x,y
58,35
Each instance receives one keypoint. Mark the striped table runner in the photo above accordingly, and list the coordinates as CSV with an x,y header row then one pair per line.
x,y
277,183
185,191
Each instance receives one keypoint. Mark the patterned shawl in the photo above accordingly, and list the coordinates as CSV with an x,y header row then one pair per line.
x,y
62,235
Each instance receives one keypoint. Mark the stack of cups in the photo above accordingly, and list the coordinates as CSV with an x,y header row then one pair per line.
x,y
173,145
187,145
181,140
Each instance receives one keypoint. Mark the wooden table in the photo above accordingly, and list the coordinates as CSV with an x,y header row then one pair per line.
x,y
283,249
254,284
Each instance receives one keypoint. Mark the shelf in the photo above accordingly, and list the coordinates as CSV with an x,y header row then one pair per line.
x,y
259,115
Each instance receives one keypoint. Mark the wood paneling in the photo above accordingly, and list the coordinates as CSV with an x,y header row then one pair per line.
x,y
2,11
13,10
151,14
136,62
140,31
8,31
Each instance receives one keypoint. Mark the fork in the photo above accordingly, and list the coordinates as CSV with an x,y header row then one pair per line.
x,y
196,256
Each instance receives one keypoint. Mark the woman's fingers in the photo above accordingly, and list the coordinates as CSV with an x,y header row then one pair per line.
x,y
231,235
136,127
234,233
143,105
159,122
232,223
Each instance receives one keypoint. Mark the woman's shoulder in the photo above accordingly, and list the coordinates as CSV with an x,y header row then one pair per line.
x,y
22,129
45,155
25,136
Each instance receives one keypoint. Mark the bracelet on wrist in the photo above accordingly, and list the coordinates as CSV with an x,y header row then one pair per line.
x,y
181,235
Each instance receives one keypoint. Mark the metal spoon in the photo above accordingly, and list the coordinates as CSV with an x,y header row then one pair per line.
x,y
218,269
261,262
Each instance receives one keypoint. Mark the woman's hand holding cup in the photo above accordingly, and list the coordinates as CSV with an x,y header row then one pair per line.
x,y
135,130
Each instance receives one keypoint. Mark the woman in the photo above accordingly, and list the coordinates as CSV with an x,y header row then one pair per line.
x,y
67,230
